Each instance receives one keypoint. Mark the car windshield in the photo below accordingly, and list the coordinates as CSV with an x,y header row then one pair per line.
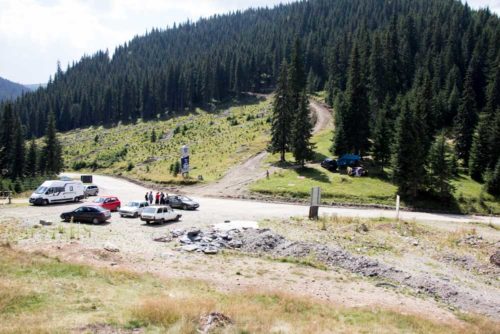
x,y
41,190
133,204
150,210
99,200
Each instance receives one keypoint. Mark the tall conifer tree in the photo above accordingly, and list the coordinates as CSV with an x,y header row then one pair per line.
x,y
282,115
302,132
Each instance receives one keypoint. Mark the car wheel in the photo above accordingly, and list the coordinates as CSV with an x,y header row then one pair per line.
x,y
67,219
46,202
121,215
136,215
184,207
95,221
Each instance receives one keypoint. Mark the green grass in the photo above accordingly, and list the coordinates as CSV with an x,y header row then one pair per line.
x,y
290,182
217,140
43,295
297,183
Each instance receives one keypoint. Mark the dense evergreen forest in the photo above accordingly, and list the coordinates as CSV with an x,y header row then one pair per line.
x,y
397,71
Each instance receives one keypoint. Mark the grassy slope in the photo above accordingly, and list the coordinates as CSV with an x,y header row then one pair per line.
x,y
43,295
215,140
216,145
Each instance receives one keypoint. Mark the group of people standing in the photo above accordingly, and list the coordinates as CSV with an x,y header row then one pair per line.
x,y
160,198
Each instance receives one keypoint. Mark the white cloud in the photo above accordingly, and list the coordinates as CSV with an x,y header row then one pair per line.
x,y
34,34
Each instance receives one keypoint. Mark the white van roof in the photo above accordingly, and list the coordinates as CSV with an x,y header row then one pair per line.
x,y
58,183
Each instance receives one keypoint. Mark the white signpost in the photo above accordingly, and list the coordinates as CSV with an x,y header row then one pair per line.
x,y
315,202
397,207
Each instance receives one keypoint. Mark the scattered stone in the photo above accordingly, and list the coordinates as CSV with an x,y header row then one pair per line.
x,y
212,321
163,239
193,233
190,248
495,258
177,233
111,248
45,223
210,251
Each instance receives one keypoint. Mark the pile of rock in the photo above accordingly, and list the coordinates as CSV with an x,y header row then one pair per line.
x,y
207,242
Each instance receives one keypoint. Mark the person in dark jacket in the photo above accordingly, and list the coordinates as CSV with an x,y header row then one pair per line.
x,y
146,197
162,198
150,197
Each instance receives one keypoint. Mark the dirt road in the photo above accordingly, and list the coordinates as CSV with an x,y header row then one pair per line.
x,y
234,183
217,210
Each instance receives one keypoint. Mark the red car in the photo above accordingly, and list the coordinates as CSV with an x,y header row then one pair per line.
x,y
111,203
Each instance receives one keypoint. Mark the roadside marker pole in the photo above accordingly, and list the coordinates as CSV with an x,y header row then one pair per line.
x,y
397,207
315,202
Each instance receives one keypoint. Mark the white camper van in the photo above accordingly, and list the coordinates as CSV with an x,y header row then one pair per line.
x,y
57,192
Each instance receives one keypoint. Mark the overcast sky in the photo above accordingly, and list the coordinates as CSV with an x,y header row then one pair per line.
x,y
35,34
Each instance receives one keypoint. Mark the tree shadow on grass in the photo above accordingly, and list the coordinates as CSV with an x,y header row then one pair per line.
x,y
432,202
313,174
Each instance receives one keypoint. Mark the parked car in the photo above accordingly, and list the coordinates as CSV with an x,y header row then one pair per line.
x,y
133,209
159,214
56,191
90,190
111,203
182,202
330,164
87,214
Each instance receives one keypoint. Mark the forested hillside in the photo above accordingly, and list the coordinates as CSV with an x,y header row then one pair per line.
x,y
399,72
399,42
10,90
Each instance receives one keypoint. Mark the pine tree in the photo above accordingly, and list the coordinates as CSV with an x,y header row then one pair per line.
x,y
6,139
494,140
480,152
282,115
493,184
296,75
302,132
408,158
18,152
31,159
341,144
440,167
355,117
465,121
382,135
52,151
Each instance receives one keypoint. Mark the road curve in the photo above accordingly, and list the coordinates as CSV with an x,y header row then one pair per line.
x,y
216,210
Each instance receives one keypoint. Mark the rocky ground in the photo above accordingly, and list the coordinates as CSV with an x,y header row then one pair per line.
x,y
433,265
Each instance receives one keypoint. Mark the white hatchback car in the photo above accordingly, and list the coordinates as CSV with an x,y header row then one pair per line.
x,y
159,214
133,209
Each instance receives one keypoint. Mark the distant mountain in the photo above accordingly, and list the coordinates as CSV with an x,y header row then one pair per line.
x,y
33,87
10,90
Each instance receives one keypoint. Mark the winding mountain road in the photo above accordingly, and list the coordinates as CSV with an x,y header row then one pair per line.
x,y
235,182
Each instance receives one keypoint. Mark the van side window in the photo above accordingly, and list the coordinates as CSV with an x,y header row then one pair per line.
x,y
71,188
50,191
